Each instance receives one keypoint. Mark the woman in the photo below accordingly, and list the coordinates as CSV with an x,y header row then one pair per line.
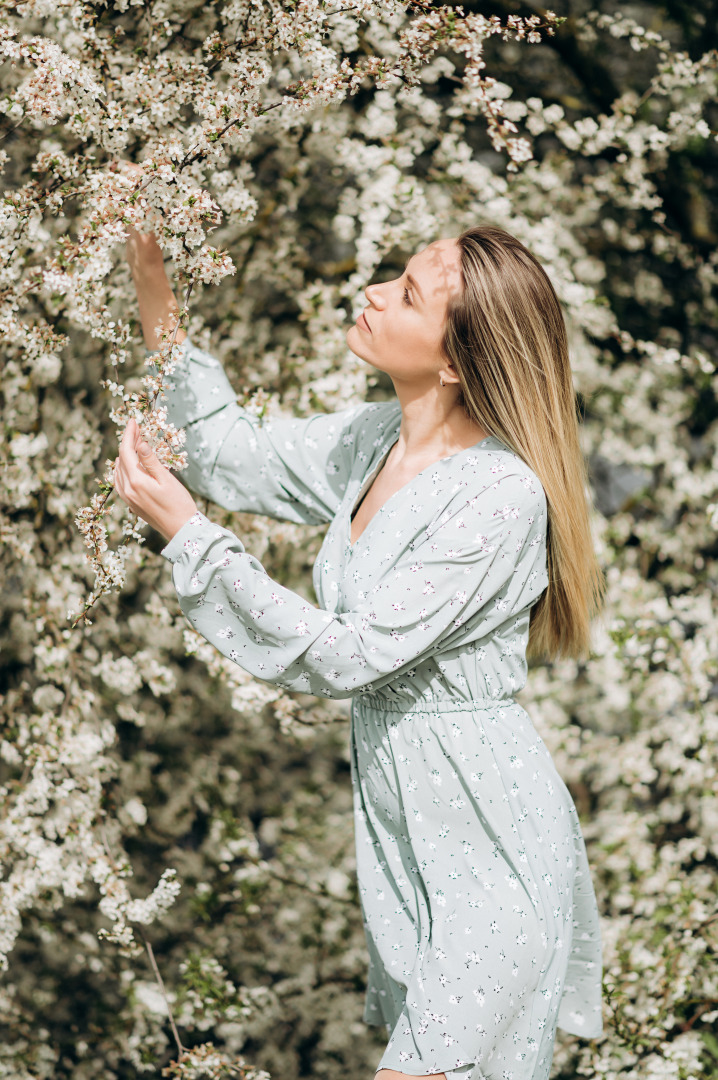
x,y
458,519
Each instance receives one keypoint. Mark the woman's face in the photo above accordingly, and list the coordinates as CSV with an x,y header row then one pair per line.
x,y
402,329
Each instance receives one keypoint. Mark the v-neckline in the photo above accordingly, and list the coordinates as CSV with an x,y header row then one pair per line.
x,y
369,480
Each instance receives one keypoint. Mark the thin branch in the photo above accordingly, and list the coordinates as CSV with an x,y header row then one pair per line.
x,y
322,892
110,490
232,123
185,307
182,1050
10,130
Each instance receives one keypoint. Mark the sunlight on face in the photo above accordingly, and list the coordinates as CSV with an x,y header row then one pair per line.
x,y
401,330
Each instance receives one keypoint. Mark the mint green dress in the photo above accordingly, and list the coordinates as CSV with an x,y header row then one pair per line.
x,y
481,920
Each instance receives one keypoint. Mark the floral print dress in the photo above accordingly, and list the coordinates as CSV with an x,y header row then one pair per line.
x,y
480,916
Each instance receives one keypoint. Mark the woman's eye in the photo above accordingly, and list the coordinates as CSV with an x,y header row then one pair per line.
x,y
407,301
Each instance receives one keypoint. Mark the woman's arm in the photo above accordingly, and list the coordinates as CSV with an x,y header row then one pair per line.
x,y
288,468
484,563
156,300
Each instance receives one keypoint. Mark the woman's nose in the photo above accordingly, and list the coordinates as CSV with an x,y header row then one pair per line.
x,y
374,295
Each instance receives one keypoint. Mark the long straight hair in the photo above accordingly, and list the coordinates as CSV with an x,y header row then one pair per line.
x,y
506,339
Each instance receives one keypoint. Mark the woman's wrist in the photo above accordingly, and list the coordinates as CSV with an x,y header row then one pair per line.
x,y
146,266
150,275
169,526
158,306
144,255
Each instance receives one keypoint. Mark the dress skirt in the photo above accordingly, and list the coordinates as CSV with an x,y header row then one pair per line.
x,y
480,914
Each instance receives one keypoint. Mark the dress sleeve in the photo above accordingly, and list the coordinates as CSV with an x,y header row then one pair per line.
x,y
291,469
480,564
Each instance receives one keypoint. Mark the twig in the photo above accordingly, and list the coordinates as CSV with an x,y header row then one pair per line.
x,y
180,1047
111,489
321,892
199,153
10,130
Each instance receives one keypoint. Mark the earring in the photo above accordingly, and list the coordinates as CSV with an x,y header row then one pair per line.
x,y
441,380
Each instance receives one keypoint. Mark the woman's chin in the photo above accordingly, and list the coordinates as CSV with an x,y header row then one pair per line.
x,y
354,341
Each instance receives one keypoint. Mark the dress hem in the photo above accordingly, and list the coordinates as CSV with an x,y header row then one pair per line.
x,y
573,1029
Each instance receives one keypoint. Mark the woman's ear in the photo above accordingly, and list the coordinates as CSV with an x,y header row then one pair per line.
x,y
448,373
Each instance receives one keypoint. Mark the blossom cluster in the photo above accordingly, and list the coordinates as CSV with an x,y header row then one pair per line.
x,y
284,155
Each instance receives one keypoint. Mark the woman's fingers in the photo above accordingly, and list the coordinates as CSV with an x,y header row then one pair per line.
x,y
129,470
127,460
127,442
132,435
136,455
148,488
120,485
145,457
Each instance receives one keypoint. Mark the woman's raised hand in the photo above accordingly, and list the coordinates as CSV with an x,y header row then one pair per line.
x,y
156,300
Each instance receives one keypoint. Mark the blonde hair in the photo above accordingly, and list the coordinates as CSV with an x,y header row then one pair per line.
x,y
506,339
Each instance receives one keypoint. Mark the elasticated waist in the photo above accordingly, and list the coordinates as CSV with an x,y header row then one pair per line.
x,y
384,704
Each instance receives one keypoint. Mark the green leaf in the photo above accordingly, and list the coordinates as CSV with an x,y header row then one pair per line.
x,y
711,1043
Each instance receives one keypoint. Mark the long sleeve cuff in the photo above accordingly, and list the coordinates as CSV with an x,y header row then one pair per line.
x,y
192,530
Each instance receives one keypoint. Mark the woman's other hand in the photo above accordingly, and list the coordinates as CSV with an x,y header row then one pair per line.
x,y
149,489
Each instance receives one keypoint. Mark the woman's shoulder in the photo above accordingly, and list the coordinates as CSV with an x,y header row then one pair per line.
x,y
372,422
496,476
379,414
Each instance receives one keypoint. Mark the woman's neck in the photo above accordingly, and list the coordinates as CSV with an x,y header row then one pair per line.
x,y
433,425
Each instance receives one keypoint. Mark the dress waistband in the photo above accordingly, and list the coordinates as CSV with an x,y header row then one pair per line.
x,y
382,704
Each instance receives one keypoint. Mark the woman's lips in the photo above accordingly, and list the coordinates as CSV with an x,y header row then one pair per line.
x,y
362,323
